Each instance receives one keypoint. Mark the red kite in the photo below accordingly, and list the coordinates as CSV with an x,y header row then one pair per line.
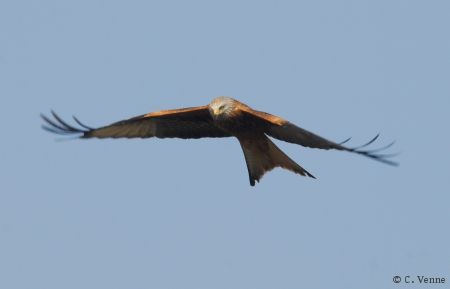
x,y
223,117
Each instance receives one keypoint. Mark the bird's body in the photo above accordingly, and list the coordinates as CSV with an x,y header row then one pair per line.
x,y
223,117
227,114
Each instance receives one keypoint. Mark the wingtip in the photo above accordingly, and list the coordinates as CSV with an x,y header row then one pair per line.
x,y
345,141
57,125
81,124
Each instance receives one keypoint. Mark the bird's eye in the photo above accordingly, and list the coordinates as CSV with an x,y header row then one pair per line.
x,y
221,107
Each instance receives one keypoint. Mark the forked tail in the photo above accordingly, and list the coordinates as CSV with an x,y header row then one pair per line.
x,y
262,155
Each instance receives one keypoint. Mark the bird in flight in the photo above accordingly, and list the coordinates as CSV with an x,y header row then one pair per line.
x,y
223,117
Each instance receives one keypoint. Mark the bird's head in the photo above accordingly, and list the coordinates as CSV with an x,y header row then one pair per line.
x,y
222,107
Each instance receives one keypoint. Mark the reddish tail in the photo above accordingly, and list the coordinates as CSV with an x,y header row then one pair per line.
x,y
262,155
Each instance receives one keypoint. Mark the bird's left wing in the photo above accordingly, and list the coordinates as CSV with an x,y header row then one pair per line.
x,y
192,122
282,129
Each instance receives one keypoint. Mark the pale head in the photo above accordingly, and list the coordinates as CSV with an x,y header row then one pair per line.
x,y
222,106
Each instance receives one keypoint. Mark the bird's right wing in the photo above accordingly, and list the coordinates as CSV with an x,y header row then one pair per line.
x,y
192,122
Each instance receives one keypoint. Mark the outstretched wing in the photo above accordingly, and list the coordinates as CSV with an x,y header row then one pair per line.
x,y
284,130
193,122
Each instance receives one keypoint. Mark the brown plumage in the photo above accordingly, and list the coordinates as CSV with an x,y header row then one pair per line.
x,y
223,117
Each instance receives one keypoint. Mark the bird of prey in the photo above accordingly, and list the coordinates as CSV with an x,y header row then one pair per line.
x,y
223,117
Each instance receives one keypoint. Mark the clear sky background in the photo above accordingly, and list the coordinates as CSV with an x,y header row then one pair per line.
x,y
181,214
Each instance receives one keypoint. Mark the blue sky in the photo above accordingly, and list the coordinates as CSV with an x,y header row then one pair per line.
x,y
181,214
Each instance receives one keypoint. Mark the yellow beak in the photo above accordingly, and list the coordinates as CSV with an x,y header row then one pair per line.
x,y
216,111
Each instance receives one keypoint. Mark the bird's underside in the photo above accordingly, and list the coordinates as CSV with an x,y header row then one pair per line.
x,y
223,117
